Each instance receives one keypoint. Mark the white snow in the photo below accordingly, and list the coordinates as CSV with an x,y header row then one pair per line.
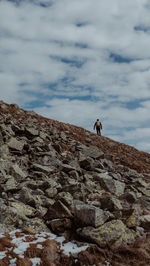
x,y
12,262
2,254
72,248
39,246
35,261
69,247
22,247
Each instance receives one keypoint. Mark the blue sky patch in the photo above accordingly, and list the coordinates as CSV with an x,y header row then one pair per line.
x,y
142,28
81,45
120,59
73,62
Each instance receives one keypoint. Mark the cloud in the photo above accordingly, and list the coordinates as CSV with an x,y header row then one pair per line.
x,y
75,61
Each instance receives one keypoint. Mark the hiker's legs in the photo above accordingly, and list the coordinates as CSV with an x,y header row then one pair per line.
x,y
98,131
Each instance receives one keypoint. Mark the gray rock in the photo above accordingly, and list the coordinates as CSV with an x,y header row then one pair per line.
x,y
145,222
15,144
42,168
112,234
110,203
113,186
31,132
17,172
11,184
87,215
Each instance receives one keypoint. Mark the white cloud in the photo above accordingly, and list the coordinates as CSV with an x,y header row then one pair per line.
x,y
81,60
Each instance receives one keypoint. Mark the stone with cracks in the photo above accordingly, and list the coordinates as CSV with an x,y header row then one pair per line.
x,y
112,234
15,144
113,186
88,215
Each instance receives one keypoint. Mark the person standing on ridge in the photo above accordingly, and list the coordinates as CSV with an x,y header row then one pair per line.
x,y
98,126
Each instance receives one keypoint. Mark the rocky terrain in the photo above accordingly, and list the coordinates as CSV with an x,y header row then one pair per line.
x,y
68,196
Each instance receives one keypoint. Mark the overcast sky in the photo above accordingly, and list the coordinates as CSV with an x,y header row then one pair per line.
x,y
79,60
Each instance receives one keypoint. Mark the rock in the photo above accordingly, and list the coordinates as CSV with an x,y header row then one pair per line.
x,y
113,186
63,136
15,144
57,210
11,184
86,215
129,196
17,172
31,132
110,203
51,192
93,152
60,225
66,198
28,197
112,234
67,168
34,226
23,209
145,222
87,164
42,168
132,220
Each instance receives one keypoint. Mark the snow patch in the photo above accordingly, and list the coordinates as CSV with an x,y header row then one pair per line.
x,y
2,254
35,261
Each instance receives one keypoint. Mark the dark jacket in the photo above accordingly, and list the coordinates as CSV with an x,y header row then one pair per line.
x,y
96,126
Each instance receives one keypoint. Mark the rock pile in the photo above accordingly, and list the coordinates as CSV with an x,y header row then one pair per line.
x,y
65,180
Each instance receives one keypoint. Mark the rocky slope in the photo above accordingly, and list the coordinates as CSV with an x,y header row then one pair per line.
x,y
90,192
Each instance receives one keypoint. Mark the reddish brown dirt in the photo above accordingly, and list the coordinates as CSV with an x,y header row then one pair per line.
x,y
137,254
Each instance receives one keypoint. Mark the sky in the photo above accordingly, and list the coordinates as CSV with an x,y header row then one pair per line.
x,y
75,61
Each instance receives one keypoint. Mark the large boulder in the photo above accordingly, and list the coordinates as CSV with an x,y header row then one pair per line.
x,y
113,186
110,203
88,215
16,145
92,151
112,234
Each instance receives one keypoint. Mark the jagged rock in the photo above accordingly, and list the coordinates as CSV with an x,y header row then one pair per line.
x,y
51,192
40,211
11,184
88,215
31,132
132,220
66,198
17,172
44,135
113,186
112,234
60,225
11,218
27,196
67,168
58,210
4,152
15,144
145,222
42,168
110,203
63,136
92,151
129,196
87,164
34,226
23,208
